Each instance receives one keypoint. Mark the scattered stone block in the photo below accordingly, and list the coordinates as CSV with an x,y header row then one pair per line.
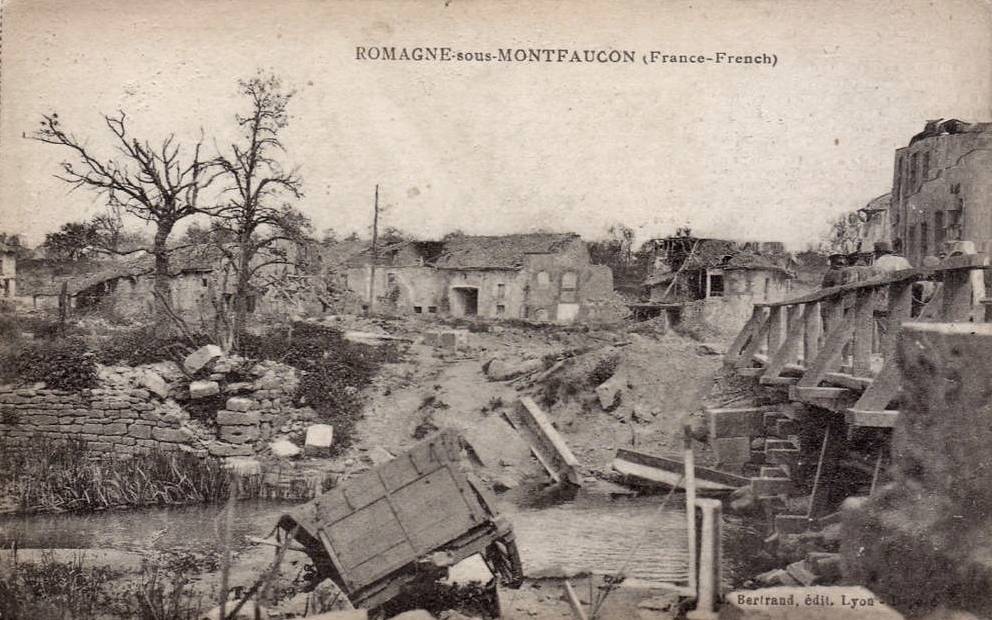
x,y
379,455
237,387
154,383
735,422
800,572
732,450
500,370
198,359
237,418
202,389
610,392
284,448
239,403
319,439
239,433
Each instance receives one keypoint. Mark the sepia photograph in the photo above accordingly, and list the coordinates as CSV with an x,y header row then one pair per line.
x,y
479,309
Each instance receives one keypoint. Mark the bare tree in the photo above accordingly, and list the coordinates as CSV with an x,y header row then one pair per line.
x,y
254,211
846,234
157,184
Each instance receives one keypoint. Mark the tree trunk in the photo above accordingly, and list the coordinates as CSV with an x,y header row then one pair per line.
x,y
242,290
163,284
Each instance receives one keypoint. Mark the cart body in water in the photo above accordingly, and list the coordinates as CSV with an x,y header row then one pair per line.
x,y
378,531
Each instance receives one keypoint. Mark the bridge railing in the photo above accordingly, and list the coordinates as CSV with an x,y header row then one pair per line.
x,y
835,347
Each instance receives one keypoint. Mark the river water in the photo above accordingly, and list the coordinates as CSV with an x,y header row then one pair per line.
x,y
590,532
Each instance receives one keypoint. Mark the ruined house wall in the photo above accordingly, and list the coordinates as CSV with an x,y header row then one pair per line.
x,y
122,417
533,292
124,421
941,191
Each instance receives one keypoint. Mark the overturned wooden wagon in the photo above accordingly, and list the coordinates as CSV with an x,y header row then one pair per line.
x,y
377,532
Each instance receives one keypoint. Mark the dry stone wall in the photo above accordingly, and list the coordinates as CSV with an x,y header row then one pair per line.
x,y
137,410
108,420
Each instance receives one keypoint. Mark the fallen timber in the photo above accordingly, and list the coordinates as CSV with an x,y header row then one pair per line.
x,y
547,444
649,470
375,534
832,354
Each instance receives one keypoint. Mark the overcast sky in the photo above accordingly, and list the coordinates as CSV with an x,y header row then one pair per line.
x,y
750,152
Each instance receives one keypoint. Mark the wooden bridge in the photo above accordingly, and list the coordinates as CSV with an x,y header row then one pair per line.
x,y
835,348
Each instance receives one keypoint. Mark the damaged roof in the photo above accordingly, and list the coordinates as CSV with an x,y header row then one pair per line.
x,y
499,252
197,258
727,255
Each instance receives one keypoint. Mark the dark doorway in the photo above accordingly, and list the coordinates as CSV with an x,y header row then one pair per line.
x,y
466,301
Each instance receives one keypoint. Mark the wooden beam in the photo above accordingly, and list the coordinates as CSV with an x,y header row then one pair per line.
x,y
871,419
957,296
749,330
775,328
817,393
760,336
864,331
883,389
900,307
841,328
788,351
813,329
846,380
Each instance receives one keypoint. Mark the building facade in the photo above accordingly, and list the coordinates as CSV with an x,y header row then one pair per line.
x,y
540,277
8,271
942,190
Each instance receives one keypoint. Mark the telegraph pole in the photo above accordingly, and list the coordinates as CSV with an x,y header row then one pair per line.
x,y
375,241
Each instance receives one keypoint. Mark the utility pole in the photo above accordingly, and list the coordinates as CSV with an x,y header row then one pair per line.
x,y
375,254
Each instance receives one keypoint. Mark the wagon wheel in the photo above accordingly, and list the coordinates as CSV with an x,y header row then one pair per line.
x,y
503,560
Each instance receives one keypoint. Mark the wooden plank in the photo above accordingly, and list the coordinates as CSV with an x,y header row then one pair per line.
x,y
957,296
662,469
864,331
550,442
778,380
813,325
817,393
788,351
962,263
842,326
899,309
883,390
573,602
759,337
750,328
847,380
750,371
775,328
871,419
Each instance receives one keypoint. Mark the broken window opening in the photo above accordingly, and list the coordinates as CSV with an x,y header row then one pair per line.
x,y
714,285
418,309
432,309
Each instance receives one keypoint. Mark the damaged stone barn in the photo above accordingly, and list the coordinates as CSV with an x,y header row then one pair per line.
x,y
715,280
543,277
200,284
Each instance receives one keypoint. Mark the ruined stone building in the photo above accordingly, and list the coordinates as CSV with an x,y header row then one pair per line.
x,y
200,283
8,271
537,276
942,189
877,226
718,279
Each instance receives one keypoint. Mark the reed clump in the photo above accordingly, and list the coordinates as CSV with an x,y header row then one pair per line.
x,y
60,476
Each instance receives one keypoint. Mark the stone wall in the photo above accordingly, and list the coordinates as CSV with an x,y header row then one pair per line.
x,y
125,421
136,410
